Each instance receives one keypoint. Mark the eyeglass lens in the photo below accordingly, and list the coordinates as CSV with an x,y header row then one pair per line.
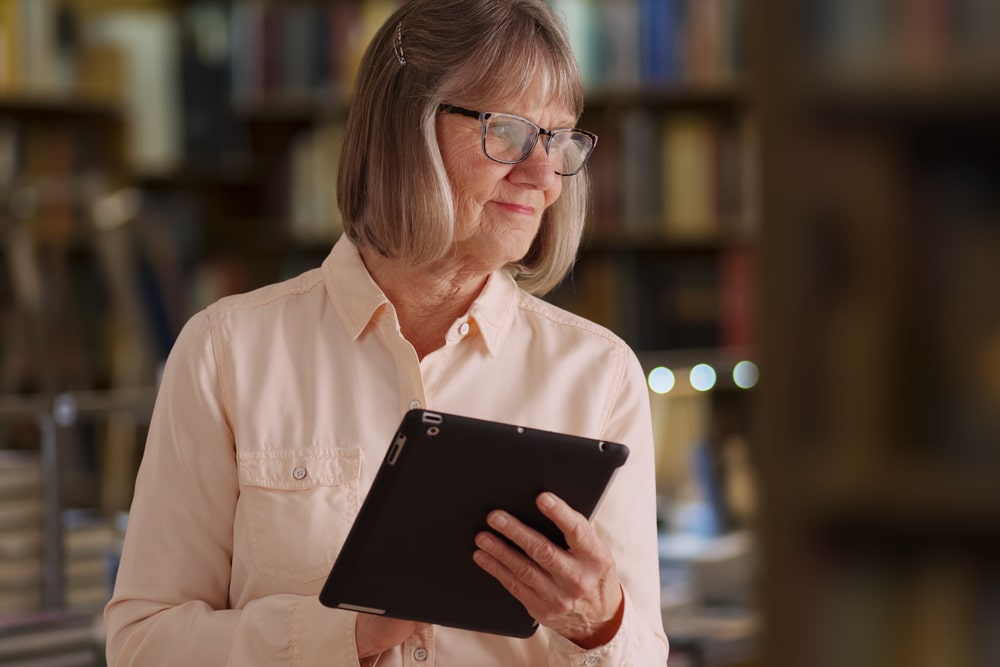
x,y
511,139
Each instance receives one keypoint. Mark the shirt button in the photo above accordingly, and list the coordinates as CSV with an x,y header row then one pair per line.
x,y
420,654
463,329
299,473
414,405
590,662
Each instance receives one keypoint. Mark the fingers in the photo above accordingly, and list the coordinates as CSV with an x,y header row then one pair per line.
x,y
575,527
518,574
534,574
537,546
574,591
580,536
541,565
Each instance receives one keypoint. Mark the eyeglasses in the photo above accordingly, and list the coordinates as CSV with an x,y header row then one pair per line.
x,y
510,139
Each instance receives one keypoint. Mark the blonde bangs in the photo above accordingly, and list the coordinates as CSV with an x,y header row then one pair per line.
x,y
509,64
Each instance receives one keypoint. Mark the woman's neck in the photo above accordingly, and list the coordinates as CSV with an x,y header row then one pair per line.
x,y
427,300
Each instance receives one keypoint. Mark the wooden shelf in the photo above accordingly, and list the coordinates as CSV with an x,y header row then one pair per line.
x,y
310,107
909,492
305,109
724,96
274,246
899,103
197,177
66,407
632,240
58,105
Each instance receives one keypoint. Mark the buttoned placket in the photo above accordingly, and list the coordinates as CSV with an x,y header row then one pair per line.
x,y
437,362
418,650
411,386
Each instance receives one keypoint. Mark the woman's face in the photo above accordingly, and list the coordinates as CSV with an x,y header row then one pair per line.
x,y
499,206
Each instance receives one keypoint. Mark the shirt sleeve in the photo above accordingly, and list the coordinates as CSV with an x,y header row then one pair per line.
x,y
171,595
626,520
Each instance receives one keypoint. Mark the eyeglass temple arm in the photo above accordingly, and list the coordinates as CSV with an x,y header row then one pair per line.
x,y
450,108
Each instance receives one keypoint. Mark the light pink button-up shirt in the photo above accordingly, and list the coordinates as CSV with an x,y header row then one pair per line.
x,y
275,410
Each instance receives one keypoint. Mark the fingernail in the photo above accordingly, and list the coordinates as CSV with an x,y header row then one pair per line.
x,y
497,520
546,500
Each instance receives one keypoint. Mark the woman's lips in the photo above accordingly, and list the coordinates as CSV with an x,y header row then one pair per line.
x,y
514,207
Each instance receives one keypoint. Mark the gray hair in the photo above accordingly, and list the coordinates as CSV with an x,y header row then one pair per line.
x,y
392,189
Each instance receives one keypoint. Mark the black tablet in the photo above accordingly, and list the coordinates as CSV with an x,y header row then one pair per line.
x,y
409,553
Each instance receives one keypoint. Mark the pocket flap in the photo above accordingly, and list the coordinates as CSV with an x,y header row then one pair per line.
x,y
299,468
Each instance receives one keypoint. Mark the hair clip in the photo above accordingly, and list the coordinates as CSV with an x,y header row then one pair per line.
x,y
398,44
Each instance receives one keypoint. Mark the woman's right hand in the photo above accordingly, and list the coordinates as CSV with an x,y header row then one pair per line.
x,y
375,634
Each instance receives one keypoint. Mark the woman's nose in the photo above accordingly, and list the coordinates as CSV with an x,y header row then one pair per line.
x,y
537,168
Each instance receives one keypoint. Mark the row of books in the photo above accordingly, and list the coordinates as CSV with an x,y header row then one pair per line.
x,y
103,276
938,609
66,50
663,300
91,550
918,40
649,43
56,184
37,45
681,175
151,62
31,634
300,49
20,533
90,542
51,639
307,49
42,339
313,214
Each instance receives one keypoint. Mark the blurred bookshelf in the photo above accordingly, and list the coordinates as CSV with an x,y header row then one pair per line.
x,y
198,141
668,262
810,186
878,431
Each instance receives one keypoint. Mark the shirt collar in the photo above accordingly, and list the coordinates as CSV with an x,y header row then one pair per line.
x,y
356,297
494,309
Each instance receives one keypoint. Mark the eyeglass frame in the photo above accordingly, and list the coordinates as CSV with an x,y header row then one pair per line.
x,y
483,116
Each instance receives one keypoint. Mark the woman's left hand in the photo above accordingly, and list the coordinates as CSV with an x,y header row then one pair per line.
x,y
574,591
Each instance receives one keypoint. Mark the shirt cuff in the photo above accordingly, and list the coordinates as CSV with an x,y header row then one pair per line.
x,y
320,630
564,652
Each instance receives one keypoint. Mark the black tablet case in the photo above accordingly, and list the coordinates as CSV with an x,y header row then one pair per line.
x,y
409,553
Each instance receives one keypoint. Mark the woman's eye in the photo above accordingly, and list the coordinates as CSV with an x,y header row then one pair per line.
x,y
503,131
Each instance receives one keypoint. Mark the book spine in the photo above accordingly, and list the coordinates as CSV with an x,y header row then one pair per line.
x,y
689,144
11,60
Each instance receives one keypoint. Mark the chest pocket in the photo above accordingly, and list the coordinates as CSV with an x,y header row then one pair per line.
x,y
298,506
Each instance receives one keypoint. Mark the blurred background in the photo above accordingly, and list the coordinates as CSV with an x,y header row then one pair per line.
x,y
796,225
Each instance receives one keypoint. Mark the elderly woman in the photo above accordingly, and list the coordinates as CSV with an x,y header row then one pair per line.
x,y
463,195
